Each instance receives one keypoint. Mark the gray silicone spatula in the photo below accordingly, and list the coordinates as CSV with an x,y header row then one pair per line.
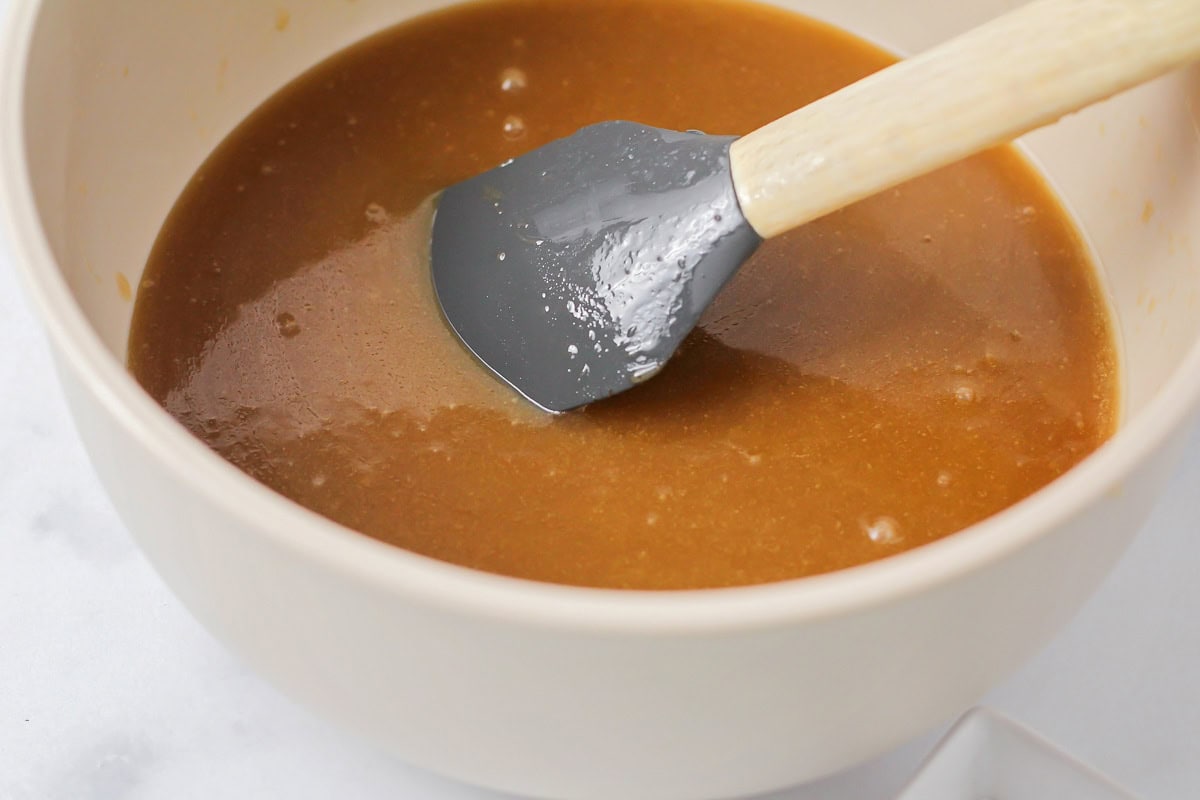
x,y
574,271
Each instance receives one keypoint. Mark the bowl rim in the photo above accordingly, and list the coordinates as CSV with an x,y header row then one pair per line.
x,y
427,581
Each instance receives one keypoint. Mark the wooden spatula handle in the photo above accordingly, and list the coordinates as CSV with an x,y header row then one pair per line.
x,y
1011,75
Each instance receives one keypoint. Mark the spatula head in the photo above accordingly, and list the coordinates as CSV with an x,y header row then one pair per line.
x,y
575,271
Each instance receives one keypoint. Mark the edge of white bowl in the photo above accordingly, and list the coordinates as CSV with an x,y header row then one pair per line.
x,y
433,582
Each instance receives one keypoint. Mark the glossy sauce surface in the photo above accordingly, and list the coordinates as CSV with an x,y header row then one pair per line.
x,y
871,382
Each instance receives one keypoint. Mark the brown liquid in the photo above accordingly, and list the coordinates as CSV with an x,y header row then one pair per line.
x,y
873,381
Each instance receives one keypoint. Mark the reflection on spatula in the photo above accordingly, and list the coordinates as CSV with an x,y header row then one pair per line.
x,y
574,271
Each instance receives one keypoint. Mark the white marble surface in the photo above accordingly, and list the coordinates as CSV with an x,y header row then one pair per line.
x,y
110,691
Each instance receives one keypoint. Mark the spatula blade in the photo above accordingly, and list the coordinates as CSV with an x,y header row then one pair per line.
x,y
575,271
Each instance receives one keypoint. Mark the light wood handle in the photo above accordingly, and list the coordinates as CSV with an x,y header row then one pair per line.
x,y
1011,75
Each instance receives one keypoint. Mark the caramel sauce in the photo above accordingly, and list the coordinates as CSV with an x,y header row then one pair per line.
x,y
875,380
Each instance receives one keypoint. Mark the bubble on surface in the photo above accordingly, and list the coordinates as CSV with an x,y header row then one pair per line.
x,y
882,530
513,79
287,325
514,127
376,213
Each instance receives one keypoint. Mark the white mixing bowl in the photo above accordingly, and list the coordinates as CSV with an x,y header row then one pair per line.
x,y
107,110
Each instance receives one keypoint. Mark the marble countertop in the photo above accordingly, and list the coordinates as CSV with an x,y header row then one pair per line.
x,y
110,691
